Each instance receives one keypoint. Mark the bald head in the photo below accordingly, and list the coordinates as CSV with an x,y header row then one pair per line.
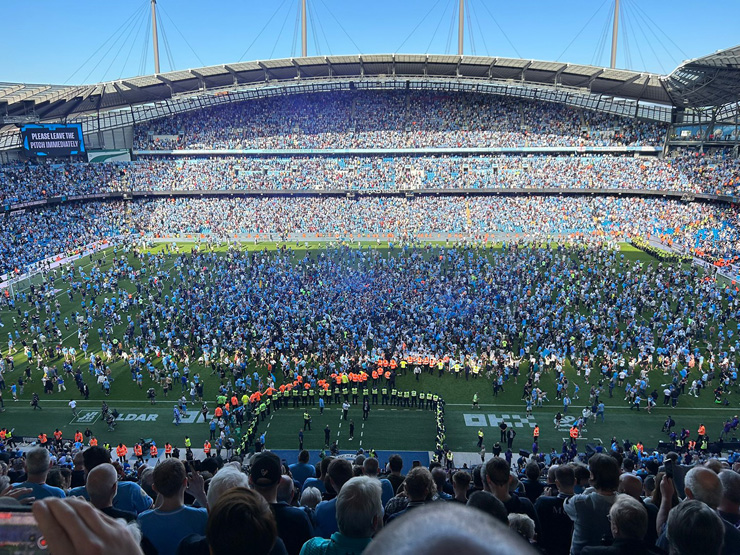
x,y
631,485
703,485
102,484
442,528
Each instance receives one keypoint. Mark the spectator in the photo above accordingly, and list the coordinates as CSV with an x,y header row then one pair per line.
x,y
240,520
225,479
589,510
460,485
693,527
130,497
37,465
440,480
419,489
102,486
704,485
729,507
359,514
489,504
370,468
310,498
440,529
293,525
338,474
522,525
302,470
318,481
395,465
556,527
631,485
533,488
498,481
629,522
166,525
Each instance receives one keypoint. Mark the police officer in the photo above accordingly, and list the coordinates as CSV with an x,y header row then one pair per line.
x,y
306,421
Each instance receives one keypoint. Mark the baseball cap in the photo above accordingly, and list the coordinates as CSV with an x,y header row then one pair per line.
x,y
266,469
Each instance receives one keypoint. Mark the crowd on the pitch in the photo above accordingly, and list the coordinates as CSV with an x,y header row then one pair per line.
x,y
345,322
392,120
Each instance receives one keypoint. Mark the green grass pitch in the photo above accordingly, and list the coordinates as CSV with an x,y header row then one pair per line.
x,y
387,428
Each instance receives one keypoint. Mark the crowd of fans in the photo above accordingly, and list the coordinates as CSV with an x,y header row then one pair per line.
x,y
29,236
688,173
617,501
709,230
713,228
392,120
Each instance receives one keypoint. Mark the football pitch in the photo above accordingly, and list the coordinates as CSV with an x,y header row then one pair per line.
x,y
388,428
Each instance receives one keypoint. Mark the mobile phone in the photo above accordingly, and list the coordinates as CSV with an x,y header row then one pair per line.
x,y
19,532
668,468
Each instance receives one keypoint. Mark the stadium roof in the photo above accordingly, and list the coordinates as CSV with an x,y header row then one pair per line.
x,y
51,102
712,80
709,81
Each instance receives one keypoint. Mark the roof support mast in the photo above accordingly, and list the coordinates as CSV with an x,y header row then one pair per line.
x,y
304,33
615,29
460,29
155,42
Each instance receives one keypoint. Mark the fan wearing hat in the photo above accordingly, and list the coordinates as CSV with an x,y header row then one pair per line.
x,y
293,524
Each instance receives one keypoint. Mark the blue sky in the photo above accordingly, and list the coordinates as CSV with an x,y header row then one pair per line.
x,y
85,41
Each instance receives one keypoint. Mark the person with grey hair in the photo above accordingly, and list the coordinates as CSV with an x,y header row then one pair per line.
x,y
359,517
700,484
37,463
729,507
693,527
522,525
310,497
628,519
102,486
225,479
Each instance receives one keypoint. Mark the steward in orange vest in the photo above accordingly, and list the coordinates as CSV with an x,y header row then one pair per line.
x,y
167,450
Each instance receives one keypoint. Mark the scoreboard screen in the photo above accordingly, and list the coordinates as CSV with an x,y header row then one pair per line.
x,y
53,139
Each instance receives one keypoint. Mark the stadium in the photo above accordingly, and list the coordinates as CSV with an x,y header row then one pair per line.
x,y
456,259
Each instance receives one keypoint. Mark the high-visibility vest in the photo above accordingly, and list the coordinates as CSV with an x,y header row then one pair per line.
x,y
536,431
138,450
207,447
58,436
153,450
167,448
187,442
93,442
